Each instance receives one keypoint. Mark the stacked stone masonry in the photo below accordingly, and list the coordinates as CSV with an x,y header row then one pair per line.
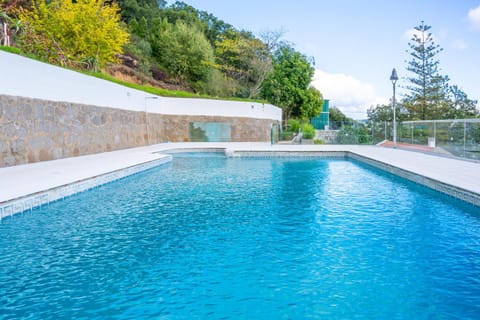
x,y
33,130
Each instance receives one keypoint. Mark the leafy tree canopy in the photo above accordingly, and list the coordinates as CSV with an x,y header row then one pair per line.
x,y
245,59
83,33
174,43
138,9
336,115
241,61
184,51
287,86
211,26
384,113
461,106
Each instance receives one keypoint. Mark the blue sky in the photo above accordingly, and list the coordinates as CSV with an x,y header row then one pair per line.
x,y
356,44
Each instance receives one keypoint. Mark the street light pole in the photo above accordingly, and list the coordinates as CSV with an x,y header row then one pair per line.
x,y
394,79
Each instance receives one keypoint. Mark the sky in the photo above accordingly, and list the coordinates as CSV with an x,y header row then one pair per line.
x,y
356,44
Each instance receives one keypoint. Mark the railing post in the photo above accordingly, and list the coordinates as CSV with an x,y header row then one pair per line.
x,y
372,133
412,133
385,131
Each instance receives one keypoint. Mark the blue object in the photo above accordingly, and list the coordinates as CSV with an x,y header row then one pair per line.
x,y
214,238
323,119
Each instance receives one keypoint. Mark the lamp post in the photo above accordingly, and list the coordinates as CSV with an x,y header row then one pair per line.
x,y
394,79
146,119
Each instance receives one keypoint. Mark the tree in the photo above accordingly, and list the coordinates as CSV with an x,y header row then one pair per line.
x,y
184,51
9,28
384,113
212,27
11,6
462,106
287,85
431,97
139,28
85,32
427,85
336,115
272,39
138,9
181,11
312,103
244,58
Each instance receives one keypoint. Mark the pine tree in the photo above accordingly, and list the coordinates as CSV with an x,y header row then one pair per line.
x,y
427,99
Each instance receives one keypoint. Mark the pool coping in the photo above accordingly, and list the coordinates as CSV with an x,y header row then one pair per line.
x,y
140,159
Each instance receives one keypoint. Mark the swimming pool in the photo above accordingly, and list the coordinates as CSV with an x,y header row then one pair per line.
x,y
214,237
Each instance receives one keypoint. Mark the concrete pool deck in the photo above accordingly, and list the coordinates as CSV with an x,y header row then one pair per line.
x,y
27,186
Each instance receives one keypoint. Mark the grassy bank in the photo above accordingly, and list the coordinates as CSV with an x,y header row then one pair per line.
x,y
149,89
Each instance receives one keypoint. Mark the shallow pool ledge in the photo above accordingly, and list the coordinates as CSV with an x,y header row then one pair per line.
x,y
25,187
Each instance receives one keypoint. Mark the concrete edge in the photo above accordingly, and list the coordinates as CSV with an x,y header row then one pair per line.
x,y
197,149
285,154
445,188
38,199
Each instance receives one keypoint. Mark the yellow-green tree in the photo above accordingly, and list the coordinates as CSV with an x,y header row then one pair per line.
x,y
85,33
245,59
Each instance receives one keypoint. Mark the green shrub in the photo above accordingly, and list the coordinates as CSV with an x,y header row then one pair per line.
x,y
287,135
318,141
308,131
293,125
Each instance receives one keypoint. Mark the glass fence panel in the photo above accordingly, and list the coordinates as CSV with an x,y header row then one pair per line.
x,y
472,140
456,137
210,132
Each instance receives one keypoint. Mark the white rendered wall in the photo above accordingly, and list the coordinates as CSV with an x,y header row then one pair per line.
x,y
20,76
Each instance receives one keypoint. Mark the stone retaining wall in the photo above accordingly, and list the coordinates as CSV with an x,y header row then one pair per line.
x,y
34,130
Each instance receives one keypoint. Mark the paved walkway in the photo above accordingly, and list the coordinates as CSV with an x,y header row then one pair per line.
x,y
26,180
23,180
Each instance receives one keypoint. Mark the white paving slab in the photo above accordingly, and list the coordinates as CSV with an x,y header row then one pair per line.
x,y
460,173
21,182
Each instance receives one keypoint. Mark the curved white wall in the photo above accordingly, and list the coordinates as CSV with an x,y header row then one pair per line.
x,y
20,76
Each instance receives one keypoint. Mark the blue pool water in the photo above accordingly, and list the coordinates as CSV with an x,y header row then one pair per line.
x,y
214,238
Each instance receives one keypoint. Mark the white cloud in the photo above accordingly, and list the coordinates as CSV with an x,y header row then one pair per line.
x,y
352,96
474,18
408,35
459,44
